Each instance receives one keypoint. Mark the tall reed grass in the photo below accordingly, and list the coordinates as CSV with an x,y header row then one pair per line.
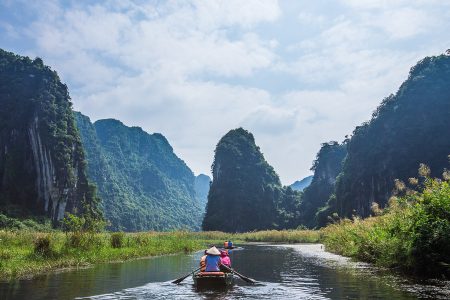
x,y
26,253
412,234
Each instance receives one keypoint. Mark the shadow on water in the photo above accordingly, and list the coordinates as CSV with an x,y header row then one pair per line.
x,y
282,272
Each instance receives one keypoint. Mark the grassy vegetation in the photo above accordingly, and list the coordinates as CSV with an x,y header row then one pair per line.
x,y
35,224
26,253
413,234
269,236
282,236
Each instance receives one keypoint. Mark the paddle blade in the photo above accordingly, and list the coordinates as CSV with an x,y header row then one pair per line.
x,y
177,281
246,279
249,280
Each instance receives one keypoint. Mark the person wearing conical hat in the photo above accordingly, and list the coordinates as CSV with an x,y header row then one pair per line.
x,y
213,260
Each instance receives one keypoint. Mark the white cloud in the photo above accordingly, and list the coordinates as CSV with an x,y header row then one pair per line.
x,y
296,74
271,120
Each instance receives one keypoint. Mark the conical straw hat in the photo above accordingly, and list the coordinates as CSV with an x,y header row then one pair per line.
x,y
213,251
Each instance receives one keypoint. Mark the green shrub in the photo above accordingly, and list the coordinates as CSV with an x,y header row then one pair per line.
x,y
431,228
43,245
413,233
75,240
117,239
72,223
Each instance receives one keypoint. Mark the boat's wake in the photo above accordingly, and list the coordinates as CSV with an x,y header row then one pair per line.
x,y
186,290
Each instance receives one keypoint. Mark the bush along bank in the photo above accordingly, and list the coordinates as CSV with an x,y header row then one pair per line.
x,y
412,234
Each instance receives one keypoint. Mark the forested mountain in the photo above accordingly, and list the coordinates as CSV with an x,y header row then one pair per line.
x,y
202,189
143,184
408,128
42,165
326,167
300,185
246,193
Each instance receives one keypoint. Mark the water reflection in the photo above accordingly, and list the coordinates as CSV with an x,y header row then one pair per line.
x,y
283,272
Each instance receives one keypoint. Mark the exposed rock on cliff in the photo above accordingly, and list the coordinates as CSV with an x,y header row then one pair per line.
x,y
42,167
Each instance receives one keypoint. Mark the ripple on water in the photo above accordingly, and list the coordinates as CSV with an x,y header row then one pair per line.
x,y
303,271
262,290
427,289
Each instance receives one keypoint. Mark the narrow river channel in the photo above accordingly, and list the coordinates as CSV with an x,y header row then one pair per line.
x,y
282,271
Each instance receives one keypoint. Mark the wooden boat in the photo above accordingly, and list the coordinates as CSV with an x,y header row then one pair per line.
x,y
213,279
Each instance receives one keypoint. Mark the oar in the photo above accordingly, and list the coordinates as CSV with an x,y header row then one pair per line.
x,y
177,281
246,279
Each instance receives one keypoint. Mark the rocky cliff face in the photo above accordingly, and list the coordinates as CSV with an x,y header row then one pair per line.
x,y
42,168
326,167
408,128
48,191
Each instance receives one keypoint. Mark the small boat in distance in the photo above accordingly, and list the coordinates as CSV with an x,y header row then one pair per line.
x,y
228,245
209,280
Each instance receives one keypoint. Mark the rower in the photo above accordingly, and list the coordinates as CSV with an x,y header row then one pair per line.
x,y
203,262
212,260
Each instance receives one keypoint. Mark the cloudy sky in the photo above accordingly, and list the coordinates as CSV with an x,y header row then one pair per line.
x,y
294,73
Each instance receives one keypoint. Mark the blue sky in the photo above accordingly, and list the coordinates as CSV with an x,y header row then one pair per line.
x,y
294,73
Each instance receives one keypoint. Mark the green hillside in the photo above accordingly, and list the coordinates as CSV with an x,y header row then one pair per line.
x,y
246,193
143,184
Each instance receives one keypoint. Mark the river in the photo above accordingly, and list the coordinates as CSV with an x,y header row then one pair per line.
x,y
303,271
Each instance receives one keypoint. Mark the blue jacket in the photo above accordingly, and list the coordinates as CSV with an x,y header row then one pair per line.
x,y
212,263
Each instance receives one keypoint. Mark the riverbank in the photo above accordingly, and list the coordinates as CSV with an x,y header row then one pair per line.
x,y
412,235
25,254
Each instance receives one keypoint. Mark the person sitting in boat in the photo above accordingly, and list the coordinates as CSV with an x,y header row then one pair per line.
x,y
228,245
213,260
225,258
226,261
203,262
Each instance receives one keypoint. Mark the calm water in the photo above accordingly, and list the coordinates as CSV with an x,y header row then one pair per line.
x,y
282,272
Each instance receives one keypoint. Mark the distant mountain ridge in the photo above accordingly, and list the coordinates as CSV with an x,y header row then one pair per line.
x,y
143,184
302,184
202,183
